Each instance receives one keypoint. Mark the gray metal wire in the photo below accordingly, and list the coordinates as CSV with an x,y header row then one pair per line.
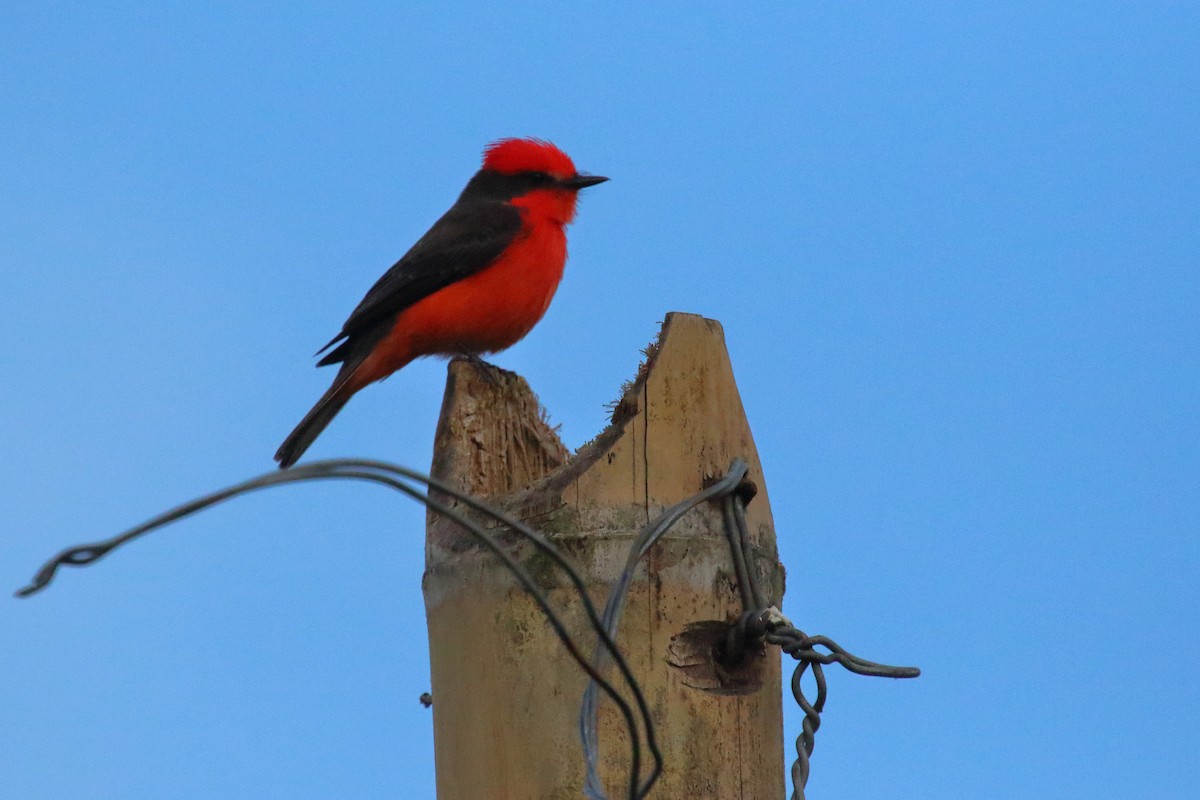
x,y
758,623
611,618
393,476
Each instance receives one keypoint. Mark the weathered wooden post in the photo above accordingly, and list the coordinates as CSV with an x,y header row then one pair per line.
x,y
505,694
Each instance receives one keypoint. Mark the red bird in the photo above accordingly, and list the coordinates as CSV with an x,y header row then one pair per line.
x,y
476,282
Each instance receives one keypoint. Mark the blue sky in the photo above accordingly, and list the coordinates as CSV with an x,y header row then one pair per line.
x,y
954,248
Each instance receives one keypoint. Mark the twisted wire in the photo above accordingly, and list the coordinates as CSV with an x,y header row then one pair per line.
x,y
761,622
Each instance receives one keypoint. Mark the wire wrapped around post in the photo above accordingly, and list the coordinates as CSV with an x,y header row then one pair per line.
x,y
757,623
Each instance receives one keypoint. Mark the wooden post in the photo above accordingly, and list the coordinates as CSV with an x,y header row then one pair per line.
x,y
505,693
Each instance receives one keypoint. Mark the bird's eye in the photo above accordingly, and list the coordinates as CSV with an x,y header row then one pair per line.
x,y
540,177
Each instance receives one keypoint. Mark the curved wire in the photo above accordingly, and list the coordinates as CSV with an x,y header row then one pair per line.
x,y
757,623
364,469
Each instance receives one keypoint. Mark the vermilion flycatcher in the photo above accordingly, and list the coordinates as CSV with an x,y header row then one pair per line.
x,y
476,282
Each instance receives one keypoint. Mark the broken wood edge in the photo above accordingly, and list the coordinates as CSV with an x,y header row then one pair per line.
x,y
470,380
544,493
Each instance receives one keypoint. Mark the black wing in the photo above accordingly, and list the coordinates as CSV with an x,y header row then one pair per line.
x,y
466,239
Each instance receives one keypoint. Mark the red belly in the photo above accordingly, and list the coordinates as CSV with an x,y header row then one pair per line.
x,y
484,313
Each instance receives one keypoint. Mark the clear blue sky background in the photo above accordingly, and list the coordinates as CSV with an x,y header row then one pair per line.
x,y
954,248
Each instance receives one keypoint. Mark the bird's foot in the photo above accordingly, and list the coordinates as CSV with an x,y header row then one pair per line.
x,y
488,372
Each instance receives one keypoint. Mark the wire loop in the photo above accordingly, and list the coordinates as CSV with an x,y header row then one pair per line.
x,y
761,622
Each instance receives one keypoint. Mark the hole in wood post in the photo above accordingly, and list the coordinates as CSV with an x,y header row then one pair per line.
x,y
696,653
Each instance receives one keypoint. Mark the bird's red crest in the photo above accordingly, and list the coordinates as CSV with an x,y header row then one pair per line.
x,y
510,156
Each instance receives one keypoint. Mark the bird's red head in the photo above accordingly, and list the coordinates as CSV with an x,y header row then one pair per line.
x,y
512,156
533,174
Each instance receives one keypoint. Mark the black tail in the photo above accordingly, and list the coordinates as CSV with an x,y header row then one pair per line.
x,y
314,422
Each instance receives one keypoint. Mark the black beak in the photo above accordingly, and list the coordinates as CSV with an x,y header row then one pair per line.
x,y
583,181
